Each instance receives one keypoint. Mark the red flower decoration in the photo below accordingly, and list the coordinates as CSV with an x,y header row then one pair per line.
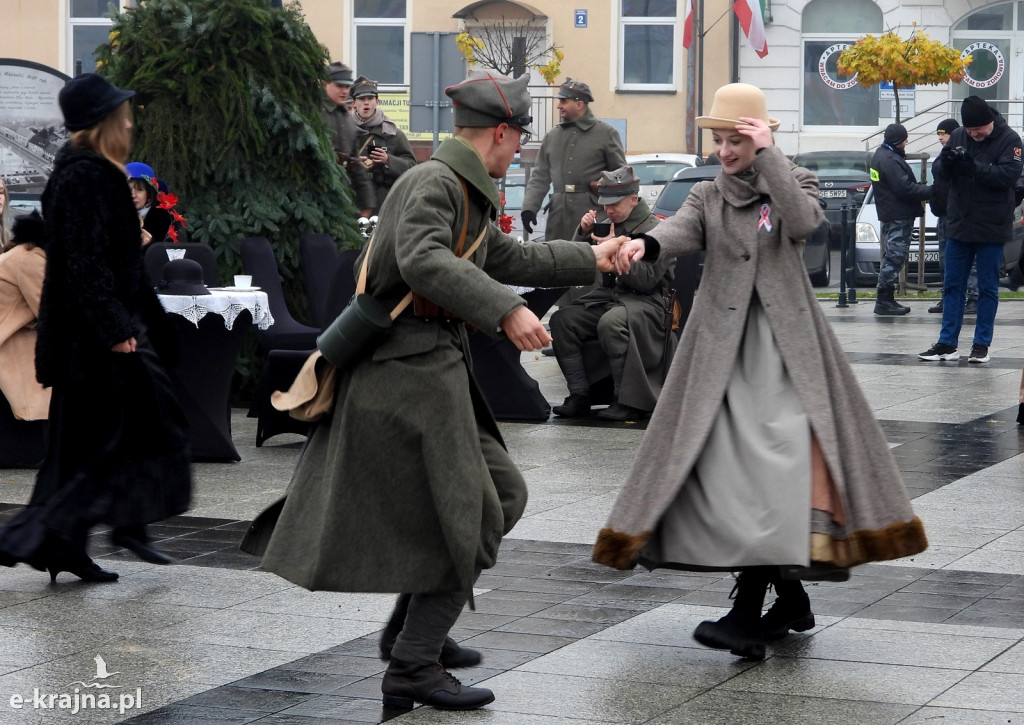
x,y
168,202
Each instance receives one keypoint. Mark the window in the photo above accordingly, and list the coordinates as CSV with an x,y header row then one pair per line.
x,y
379,29
988,36
89,30
829,97
648,45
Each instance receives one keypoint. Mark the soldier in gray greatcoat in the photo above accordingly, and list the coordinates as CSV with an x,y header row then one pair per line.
x,y
345,134
571,158
383,149
626,315
407,485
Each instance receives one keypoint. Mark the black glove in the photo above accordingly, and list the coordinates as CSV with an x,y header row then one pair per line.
x,y
529,219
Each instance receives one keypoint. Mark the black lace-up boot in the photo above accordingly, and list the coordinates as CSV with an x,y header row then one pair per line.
x,y
739,631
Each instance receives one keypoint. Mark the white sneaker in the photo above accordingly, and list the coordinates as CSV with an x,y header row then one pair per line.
x,y
979,354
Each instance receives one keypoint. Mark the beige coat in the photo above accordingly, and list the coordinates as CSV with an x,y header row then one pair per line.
x,y
21,284
743,258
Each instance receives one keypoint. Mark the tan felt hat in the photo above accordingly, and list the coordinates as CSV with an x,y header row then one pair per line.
x,y
735,100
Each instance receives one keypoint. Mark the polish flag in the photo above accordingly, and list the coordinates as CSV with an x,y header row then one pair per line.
x,y
688,25
749,14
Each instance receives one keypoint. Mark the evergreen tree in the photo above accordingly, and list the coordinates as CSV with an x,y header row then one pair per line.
x,y
228,114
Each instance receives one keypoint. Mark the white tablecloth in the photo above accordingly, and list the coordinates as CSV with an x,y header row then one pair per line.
x,y
226,303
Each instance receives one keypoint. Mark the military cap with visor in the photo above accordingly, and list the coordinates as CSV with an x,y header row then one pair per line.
x,y
575,90
363,86
613,186
340,73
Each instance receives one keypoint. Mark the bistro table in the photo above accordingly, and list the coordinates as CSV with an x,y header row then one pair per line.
x,y
211,329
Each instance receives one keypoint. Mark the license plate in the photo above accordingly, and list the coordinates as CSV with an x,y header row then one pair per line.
x,y
928,257
831,193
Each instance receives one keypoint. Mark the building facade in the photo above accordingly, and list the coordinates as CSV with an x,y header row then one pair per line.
x,y
631,54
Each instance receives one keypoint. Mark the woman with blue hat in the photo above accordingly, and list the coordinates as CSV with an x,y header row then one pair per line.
x,y
145,186
117,448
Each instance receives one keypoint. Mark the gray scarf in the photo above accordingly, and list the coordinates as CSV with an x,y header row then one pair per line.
x,y
387,126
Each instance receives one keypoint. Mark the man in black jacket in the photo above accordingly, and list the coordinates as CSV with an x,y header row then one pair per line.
x,y
898,199
981,162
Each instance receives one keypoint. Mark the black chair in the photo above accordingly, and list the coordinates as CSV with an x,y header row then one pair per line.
x,y
319,254
286,333
343,286
497,366
279,371
156,257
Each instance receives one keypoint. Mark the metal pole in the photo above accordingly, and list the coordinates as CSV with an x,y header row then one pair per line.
x,y
842,257
851,256
436,95
700,73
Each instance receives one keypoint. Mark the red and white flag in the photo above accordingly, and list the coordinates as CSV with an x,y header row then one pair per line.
x,y
749,14
688,25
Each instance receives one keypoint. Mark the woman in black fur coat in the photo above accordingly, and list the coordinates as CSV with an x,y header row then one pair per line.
x,y
118,448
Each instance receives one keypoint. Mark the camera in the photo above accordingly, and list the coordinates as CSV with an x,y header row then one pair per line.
x,y
374,146
958,154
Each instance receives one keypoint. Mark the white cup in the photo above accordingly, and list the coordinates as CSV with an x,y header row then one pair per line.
x,y
243,280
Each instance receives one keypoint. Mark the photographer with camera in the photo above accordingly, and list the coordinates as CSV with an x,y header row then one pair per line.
x,y
982,163
898,199
383,148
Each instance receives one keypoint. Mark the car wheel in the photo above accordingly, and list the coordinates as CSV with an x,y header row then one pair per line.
x,y
822,278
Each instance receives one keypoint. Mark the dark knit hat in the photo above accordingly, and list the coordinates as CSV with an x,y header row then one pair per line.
x,y
487,99
975,111
363,86
340,73
576,90
947,126
616,185
895,133
87,99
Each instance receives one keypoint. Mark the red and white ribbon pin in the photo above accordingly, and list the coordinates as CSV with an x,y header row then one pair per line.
x,y
765,222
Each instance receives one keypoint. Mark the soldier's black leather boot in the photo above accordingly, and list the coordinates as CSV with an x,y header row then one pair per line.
x,y
453,655
406,683
887,305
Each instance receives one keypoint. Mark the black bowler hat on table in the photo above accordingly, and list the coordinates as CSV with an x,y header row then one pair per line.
x,y
183,277
87,99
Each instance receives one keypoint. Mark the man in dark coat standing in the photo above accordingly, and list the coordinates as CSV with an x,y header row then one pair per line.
x,y
625,314
345,134
898,199
407,486
571,159
982,162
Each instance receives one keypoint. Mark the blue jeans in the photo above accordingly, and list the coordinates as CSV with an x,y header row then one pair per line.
x,y
959,258
972,281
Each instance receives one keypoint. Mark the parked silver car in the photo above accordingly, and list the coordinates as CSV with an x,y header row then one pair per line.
x,y
656,170
868,250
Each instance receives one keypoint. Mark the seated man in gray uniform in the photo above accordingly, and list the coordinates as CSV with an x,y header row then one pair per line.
x,y
626,314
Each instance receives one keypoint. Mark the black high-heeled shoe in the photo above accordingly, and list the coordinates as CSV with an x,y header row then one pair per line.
x,y
134,539
83,567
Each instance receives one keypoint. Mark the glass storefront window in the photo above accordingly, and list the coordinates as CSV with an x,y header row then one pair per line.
x,y
830,97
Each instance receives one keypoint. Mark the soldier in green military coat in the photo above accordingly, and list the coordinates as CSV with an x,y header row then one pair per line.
x,y
571,159
383,149
407,486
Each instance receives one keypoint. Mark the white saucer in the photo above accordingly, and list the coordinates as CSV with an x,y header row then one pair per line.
x,y
240,289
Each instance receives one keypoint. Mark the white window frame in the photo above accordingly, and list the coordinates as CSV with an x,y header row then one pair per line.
x,y
72,23
669,20
356,23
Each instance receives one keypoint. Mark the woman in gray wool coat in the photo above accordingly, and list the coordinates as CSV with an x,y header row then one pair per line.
x,y
762,455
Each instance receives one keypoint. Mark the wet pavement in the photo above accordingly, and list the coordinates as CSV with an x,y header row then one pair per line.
x,y
938,637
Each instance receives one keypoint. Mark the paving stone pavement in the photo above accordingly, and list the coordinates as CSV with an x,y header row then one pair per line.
x,y
935,638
